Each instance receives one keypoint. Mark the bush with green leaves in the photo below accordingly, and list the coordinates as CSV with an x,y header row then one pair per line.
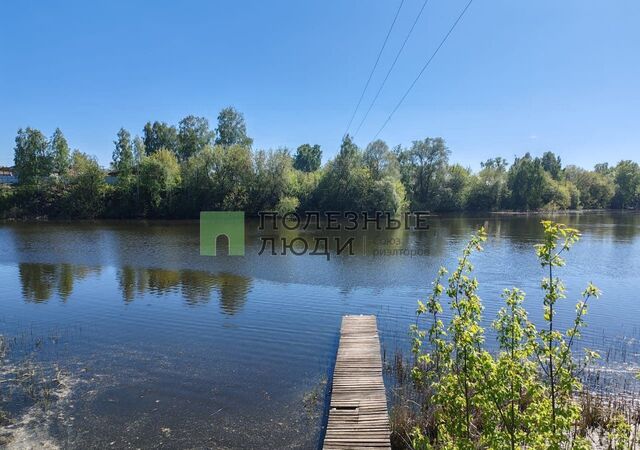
x,y
524,394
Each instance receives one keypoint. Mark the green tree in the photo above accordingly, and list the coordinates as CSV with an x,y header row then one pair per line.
x,y
159,135
308,158
551,163
603,169
138,150
380,160
274,180
60,153
388,195
232,129
306,188
233,176
86,196
455,191
159,178
349,185
193,136
219,178
488,190
198,187
558,194
526,182
627,179
596,189
122,159
32,156
347,182
123,198
423,169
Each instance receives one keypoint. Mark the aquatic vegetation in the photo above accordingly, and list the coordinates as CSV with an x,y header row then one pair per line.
x,y
528,394
33,390
314,399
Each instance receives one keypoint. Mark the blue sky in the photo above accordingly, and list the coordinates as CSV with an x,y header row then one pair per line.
x,y
514,76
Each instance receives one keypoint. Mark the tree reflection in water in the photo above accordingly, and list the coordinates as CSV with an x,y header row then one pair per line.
x,y
40,281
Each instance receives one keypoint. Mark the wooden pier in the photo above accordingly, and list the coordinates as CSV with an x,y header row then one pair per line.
x,y
358,417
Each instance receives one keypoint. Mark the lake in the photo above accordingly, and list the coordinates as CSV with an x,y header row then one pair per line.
x,y
150,344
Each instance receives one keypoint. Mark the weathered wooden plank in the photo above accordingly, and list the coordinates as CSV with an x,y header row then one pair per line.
x,y
358,417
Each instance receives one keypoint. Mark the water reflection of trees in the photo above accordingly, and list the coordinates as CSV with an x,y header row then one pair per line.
x,y
197,284
40,281
524,228
195,287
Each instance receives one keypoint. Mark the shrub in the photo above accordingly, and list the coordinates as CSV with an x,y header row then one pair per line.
x,y
287,205
6,199
523,395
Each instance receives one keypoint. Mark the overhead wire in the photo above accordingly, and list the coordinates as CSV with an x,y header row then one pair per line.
x,y
393,64
424,67
375,65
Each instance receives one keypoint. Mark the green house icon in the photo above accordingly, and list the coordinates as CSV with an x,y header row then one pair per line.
x,y
225,224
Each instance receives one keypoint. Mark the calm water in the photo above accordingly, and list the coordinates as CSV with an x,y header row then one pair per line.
x,y
163,347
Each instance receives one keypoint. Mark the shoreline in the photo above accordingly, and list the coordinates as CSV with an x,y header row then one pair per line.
x,y
443,214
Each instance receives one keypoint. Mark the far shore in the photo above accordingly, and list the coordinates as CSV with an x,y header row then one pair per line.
x,y
443,214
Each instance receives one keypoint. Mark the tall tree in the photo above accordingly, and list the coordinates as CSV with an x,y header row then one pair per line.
x,y
380,160
198,187
123,159
596,190
60,154
603,168
159,135
86,187
498,164
526,182
349,155
347,184
159,177
627,179
308,158
552,164
233,176
232,129
32,157
274,179
138,150
423,172
193,136
488,189
455,191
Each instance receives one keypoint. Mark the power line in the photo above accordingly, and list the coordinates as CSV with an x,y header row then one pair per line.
x,y
392,66
374,67
423,69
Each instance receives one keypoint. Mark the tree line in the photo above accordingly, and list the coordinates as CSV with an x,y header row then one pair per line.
x,y
177,171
